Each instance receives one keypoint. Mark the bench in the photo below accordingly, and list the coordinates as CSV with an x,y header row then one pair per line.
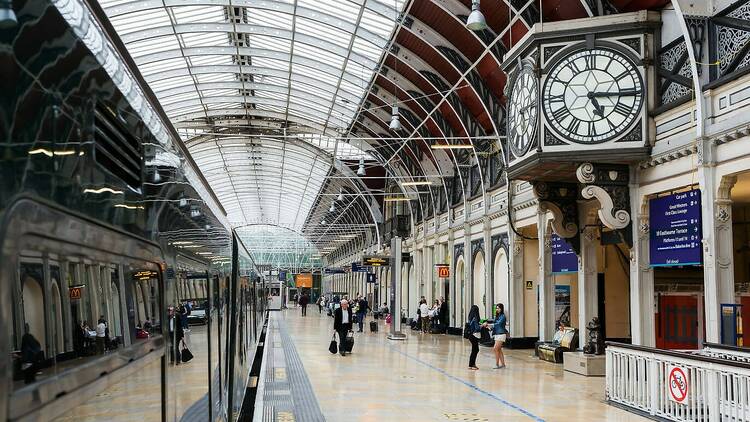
x,y
553,352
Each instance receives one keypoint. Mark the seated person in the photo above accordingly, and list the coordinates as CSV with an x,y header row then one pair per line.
x,y
559,334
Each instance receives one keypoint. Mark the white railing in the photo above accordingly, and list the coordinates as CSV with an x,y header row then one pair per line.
x,y
678,386
719,351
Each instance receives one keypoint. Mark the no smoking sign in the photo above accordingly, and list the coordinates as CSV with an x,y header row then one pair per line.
x,y
677,384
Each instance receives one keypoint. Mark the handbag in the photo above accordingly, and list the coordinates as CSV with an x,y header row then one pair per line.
x,y
467,330
333,347
186,355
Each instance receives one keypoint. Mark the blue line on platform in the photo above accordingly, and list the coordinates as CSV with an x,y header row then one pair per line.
x,y
474,387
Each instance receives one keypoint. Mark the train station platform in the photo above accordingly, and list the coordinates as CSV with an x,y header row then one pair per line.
x,y
423,378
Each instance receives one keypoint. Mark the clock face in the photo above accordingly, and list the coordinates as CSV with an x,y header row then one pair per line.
x,y
593,95
523,112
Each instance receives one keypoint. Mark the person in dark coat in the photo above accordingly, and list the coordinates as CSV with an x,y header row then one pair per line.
x,y
443,314
177,334
303,301
342,324
363,307
31,355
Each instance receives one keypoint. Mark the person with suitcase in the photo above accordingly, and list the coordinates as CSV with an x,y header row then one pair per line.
x,y
342,324
373,326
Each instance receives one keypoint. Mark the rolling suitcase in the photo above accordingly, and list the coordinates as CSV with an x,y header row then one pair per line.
x,y
373,327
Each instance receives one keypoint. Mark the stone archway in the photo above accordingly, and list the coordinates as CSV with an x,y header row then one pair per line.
x,y
478,282
501,288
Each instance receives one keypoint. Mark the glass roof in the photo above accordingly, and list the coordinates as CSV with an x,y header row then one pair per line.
x,y
258,89
306,61
280,248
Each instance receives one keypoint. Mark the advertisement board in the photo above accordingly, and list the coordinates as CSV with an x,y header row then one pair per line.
x,y
304,280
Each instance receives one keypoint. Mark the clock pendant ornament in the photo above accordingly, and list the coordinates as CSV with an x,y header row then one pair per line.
x,y
593,95
523,111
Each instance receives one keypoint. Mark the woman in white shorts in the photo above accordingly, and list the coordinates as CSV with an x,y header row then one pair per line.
x,y
499,334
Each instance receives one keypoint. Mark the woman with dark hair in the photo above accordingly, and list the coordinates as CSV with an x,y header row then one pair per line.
x,y
499,334
471,333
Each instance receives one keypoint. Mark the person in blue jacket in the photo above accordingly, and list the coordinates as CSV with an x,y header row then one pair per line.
x,y
499,334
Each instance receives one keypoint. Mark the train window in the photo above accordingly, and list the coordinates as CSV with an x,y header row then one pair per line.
x,y
136,397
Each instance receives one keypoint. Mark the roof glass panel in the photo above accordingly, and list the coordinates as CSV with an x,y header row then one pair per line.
x,y
306,61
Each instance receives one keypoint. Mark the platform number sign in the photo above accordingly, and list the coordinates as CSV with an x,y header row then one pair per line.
x,y
677,384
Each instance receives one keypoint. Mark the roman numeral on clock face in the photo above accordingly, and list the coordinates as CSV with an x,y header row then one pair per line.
x,y
622,109
561,113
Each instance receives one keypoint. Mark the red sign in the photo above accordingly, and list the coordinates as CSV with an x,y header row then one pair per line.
x,y
678,385
443,271
75,293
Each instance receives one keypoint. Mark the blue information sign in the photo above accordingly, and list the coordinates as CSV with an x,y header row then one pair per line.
x,y
564,259
675,232
372,278
358,268
282,275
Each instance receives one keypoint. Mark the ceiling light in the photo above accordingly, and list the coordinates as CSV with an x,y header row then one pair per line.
x,y
182,242
418,183
476,20
103,190
395,122
323,222
183,202
396,199
7,15
157,176
341,195
208,227
130,207
361,170
333,207
451,146
192,246
204,253
195,212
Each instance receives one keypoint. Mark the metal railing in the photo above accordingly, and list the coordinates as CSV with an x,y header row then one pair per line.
x,y
679,386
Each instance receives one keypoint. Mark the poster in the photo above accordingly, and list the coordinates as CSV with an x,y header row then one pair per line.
x,y
675,229
564,259
562,304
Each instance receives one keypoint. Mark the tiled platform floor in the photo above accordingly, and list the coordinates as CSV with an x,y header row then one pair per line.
x,y
425,378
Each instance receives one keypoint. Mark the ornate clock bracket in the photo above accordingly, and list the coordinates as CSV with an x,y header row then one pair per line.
x,y
561,199
608,184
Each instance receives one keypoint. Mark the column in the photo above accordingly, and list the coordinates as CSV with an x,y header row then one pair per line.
x,y
642,319
468,298
488,284
395,333
49,325
716,212
546,283
516,288
588,306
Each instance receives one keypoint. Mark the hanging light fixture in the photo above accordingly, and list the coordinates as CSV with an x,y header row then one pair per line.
x,y
7,15
361,170
341,195
183,202
395,122
333,207
157,176
208,227
476,20
323,222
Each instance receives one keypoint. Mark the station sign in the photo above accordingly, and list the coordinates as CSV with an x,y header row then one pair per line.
x,y
564,258
372,278
282,275
76,292
675,229
376,261
443,270
145,275
304,280
334,270
358,268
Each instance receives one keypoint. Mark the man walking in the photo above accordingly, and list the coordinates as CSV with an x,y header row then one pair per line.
x,y
342,323
303,300
362,312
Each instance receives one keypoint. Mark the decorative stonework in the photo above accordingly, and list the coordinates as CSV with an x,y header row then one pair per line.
x,y
723,212
608,184
561,199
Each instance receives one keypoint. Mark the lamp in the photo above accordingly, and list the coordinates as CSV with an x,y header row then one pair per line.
x,y
476,21
323,222
7,15
361,170
341,195
157,176
333,207
395,122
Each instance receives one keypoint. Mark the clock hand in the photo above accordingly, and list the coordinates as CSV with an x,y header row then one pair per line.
x,y
598,109
523,110
625,93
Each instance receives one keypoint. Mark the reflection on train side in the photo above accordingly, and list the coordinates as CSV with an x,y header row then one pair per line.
x,y
58,325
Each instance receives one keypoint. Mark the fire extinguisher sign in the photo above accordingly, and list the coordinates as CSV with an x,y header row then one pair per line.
x,y
677,384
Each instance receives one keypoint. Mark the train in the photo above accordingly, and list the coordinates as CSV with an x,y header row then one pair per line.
x,y
108,238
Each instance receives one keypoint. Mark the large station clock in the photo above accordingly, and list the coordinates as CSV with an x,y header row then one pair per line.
x,y
592,95
523,111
